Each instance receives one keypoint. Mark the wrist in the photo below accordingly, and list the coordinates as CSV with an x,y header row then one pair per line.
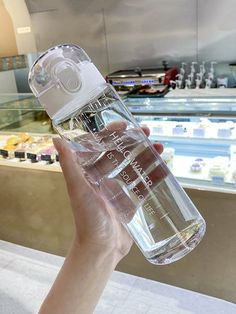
x,y
98,255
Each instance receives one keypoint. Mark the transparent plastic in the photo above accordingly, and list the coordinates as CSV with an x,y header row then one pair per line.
x,y
117,156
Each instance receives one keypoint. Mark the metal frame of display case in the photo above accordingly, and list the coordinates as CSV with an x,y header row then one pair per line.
x,y
176,106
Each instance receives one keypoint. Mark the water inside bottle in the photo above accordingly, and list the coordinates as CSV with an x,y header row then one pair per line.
x,y
118,158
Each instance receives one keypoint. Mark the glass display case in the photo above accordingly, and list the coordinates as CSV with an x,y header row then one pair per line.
x,y
25,133
23,113
199,136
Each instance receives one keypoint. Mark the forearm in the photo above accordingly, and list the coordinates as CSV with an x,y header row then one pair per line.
x,y
80,281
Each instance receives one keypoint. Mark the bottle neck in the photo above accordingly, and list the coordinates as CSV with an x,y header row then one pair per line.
x,y
77,104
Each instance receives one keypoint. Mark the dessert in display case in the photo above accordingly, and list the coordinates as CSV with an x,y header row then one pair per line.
x,y
199,136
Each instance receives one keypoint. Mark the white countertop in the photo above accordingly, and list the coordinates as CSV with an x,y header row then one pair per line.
x,y
26,276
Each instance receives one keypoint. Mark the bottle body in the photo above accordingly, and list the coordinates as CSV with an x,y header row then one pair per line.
x,y
118,157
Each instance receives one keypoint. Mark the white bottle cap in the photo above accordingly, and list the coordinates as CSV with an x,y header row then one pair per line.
x,y
64,79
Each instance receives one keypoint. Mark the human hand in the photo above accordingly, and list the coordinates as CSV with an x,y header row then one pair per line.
x,y
97,226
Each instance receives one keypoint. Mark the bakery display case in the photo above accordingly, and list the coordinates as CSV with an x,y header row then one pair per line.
x,y
25,133
199,136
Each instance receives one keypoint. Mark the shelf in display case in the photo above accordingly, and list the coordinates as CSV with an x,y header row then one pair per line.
x,y
23,113
40,166
14,102
201,106
182,171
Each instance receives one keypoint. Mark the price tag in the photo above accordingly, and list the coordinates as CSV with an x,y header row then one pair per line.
x,y
218,180
20,155
4,153
225,133
199,132
32,157
46,157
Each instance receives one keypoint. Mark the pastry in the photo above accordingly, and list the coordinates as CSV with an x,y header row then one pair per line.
x,y
219,168
35,151
14,141
146,89
201,161
158,128
8,150
196,167
230,124
151,91
201,128
25,137
217,171
168,156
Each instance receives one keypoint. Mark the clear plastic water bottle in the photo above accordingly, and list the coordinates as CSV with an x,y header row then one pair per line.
x,y
116,154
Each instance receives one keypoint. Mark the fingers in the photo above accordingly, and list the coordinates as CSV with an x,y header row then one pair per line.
x,y
116,126
146,130
158,147
71,170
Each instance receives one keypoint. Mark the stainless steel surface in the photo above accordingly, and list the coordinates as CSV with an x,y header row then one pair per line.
x,y
134,73
133,77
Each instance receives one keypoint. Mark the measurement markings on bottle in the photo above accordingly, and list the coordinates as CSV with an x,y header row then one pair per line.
x,y
165,215
120,147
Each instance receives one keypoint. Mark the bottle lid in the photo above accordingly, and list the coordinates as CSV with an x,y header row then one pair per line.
x,y
64,79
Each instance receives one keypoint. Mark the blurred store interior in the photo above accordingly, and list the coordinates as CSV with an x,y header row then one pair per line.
x,y
174,65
